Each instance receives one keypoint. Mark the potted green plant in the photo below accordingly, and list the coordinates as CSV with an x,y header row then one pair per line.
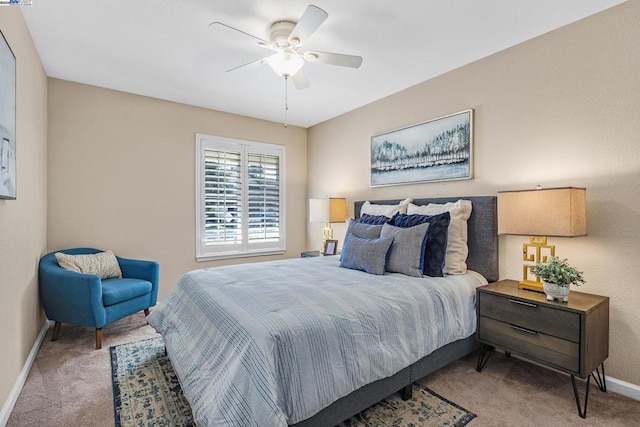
x,y
557,275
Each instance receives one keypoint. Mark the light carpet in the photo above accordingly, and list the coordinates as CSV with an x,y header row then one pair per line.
x,y
147,393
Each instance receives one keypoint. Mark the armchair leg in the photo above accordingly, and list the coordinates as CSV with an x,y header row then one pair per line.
x,y
147,312
56,331
98,338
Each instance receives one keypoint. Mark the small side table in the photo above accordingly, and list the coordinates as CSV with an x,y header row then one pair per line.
x,y
309,254
572,336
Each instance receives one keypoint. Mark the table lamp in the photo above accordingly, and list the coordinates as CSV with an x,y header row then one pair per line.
x,y
327,210
541,213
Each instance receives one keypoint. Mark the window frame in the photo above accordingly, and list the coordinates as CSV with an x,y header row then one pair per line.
x,y
245,248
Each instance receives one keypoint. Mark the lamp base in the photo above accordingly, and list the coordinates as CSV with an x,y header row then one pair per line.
x,y
537,243
327,234
531,285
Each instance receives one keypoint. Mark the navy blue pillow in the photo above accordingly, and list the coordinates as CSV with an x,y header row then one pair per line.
x,y
373,219
437,234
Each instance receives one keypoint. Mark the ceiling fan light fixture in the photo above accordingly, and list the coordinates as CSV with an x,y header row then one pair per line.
x,y
285,64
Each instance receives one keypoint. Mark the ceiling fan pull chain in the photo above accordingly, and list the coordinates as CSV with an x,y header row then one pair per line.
x,y
286,98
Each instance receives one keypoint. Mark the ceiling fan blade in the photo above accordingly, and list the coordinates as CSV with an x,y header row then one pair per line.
x,y
351,61
309,22
248,66
261,42
300,80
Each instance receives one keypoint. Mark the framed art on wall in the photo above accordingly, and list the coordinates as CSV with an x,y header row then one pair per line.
x,y
436,150
7,121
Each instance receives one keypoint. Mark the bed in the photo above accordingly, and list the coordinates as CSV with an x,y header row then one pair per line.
x,y
306,343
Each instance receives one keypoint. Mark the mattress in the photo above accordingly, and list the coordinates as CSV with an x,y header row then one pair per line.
x,y
273,343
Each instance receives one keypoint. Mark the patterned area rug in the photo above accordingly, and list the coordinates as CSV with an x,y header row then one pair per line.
x,y
147,393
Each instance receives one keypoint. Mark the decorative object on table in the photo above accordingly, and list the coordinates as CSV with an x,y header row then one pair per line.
x,y
327,210
436,150
557,276
7,121
145,387
330,247
540,213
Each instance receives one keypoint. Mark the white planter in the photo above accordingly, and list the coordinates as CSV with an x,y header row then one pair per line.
x,y
554,291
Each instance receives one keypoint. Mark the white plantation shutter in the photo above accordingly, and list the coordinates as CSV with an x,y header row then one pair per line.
x,y
222,197
264,197
239,198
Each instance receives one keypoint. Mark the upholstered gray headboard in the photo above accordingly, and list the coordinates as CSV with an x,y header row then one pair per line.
x,y
482,229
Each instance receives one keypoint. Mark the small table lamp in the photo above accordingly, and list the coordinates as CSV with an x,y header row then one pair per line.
x,y
327,210
541,213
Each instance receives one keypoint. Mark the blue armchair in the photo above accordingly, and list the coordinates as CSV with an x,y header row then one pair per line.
x,y
87,300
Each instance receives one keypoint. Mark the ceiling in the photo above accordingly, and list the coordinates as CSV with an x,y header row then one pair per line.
x,y
166,48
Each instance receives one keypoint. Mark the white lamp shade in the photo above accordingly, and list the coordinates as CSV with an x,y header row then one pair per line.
x,y
329,209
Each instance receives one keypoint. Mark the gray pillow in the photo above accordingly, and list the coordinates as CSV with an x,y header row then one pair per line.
x,y
364,231
367,255
407,251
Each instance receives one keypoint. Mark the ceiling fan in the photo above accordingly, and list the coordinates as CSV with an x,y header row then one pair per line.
x,y
287,39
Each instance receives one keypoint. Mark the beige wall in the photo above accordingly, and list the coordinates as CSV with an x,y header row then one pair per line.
x,y
121,174
23,222
559,110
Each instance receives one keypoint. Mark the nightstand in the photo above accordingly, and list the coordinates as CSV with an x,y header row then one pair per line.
x,y
572,337
309,254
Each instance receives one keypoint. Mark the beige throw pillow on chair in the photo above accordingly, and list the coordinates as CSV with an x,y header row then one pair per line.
x,y
104,264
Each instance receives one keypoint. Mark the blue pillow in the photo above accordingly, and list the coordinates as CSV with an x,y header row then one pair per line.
x,y
369,255
373,219
436,246
364,231
406,255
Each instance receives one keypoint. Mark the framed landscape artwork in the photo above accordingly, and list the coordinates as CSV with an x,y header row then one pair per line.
x,y
7,121
436,150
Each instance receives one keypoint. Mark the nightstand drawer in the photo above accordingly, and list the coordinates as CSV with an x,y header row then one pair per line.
x,y
549,349
549,321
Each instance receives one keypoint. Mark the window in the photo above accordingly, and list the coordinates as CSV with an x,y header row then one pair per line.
x,y
240,198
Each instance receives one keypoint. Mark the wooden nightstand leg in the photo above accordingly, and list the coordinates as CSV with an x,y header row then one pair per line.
x,y
600,380
483,356
581,412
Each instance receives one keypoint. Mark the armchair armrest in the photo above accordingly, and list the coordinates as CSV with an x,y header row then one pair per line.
x,y
71,297
142,269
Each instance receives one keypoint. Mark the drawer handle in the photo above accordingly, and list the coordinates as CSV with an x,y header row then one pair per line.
x,y
523,303
529,331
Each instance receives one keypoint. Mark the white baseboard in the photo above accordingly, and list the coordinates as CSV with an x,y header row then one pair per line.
x,y
624,388
22,378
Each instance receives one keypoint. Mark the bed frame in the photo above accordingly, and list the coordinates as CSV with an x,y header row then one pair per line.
x,y
483,257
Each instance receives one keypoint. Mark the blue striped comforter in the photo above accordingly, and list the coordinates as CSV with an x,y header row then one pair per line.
x,y
271,344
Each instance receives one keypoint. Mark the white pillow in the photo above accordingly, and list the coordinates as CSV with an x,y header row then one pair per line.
x,y
455,261
386,210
